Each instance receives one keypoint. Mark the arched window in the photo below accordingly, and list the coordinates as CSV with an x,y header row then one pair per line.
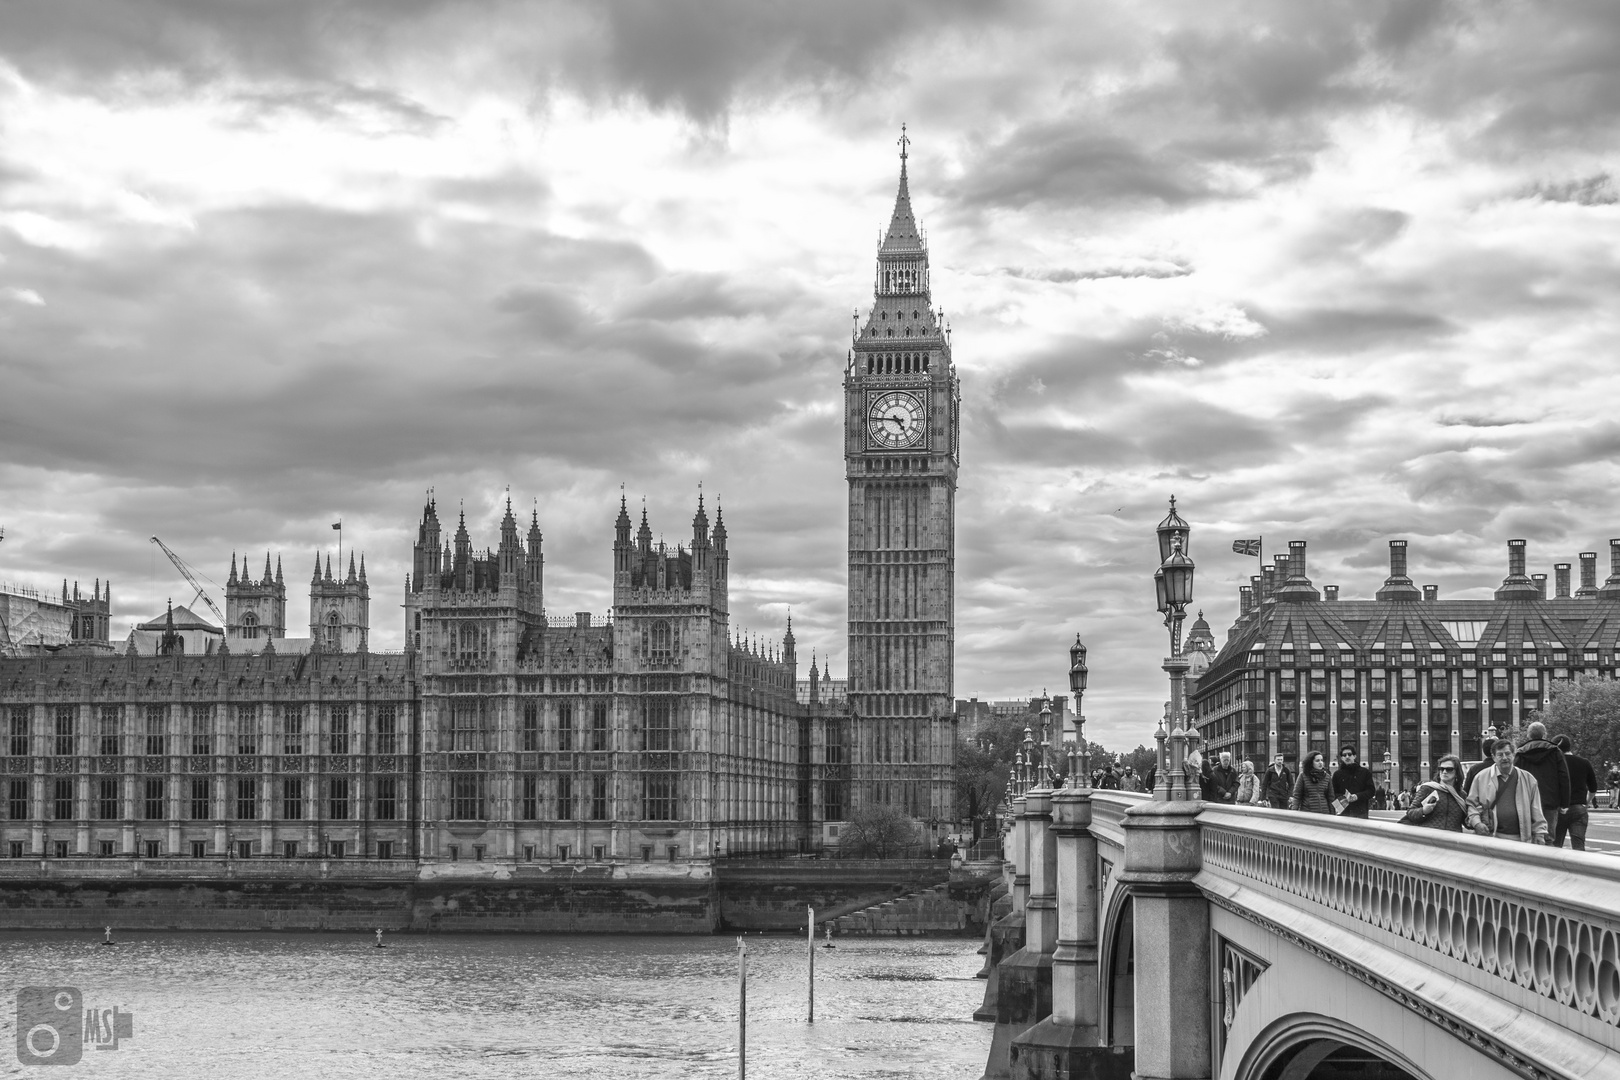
x,y
334,631
250,625
661,646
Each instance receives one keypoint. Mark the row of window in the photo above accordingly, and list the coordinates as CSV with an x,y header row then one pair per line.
x,y
157,738
1528,657
566,801
334,849
198,849
198,801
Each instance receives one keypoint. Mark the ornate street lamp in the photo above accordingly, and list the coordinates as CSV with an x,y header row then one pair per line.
x,y
1030,775
1173,587
1044,775
1078,758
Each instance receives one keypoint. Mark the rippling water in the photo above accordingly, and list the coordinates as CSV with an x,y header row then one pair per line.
x,y
277,1005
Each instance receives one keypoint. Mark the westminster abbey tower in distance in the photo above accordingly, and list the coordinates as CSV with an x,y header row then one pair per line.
x,y
504,733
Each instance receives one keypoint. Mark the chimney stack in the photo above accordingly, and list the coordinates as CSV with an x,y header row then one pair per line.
x,y
1611,587
1398,586
1541,584
1245,600
1561,580
1517,585
1268,583
1588,587
1298,586
1431,593
1330,593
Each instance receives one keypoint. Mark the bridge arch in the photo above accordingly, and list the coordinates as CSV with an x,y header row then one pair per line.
x,y
1308,1046
1117,963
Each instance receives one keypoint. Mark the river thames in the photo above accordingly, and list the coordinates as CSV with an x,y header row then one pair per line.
x,y
329,1005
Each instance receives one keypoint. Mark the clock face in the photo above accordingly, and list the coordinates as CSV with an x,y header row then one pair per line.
x,y
895,421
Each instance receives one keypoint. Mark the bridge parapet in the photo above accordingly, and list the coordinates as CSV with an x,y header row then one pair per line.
x,y
1108,815
1535,929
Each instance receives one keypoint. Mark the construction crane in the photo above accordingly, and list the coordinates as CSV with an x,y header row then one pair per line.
x,y
191,579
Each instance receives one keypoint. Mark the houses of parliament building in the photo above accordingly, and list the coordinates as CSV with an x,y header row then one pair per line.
x,y
503,732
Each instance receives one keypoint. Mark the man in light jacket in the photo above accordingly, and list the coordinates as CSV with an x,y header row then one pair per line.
x,y
1505,802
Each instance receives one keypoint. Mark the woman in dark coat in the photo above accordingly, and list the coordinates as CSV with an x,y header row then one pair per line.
x,y
1440,803
1311,790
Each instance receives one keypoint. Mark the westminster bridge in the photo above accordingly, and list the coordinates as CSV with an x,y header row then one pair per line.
x,y
1173,938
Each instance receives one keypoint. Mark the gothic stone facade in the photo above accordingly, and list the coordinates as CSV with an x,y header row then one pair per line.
x,y
231,754
505,733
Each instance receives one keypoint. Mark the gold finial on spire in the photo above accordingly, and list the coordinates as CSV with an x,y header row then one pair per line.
x,y
903,142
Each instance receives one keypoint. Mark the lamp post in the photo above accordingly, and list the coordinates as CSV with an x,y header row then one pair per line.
x,y
1044,777
1172,583
1079,760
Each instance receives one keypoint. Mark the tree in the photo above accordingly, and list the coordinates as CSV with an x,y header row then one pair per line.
x,y
1587,709
984,760
1141,759
877,831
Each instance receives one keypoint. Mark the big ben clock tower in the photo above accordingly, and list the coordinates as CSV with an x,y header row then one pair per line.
x,y
901,424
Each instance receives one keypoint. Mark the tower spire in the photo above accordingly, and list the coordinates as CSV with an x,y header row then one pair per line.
x,y
903,234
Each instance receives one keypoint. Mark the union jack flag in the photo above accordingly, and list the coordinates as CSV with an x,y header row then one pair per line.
x,y
1246,547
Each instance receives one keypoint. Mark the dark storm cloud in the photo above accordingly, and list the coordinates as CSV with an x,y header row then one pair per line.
x,y
699,296
1598,189
1063,163
692,55
1067,275
88,41
394,355
696,54
329,102
1350,330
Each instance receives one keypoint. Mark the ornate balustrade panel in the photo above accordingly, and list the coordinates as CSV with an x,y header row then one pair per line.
x,y
1536,927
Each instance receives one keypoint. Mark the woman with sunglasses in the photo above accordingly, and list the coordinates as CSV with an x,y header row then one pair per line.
x,y
1440,803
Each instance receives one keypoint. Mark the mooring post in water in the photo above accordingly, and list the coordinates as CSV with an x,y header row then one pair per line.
x,y
742,1010
810,942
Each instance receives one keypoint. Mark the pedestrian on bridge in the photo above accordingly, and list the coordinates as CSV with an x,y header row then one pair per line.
x,y
1312,791
1223,779
1441,803
1279,783
1614,785
1354,783
1504,800
1249,792
1485,745
1582,792
1541,759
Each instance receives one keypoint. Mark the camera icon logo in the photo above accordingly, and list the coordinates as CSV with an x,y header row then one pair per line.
x,y
48,1025
53,1026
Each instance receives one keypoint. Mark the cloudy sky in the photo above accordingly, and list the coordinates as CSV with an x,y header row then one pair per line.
x,y
1341,272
